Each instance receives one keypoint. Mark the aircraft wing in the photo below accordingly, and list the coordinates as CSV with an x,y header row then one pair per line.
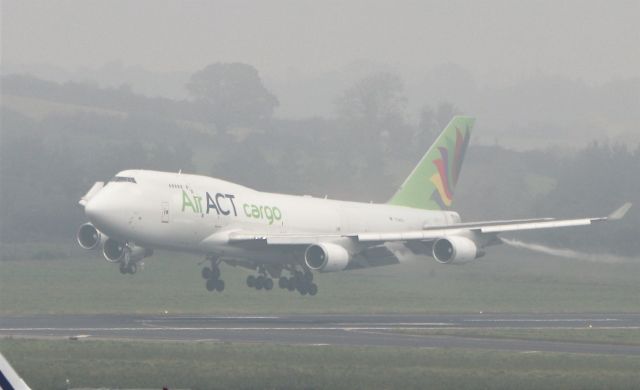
x,y
427,234
491,227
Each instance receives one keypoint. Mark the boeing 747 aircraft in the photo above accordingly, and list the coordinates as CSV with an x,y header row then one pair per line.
x,y
288,237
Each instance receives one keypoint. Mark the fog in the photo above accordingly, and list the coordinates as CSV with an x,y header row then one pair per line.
x,y
500,41
337,98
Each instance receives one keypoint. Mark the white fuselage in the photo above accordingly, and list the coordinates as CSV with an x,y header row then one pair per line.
x,y
187,212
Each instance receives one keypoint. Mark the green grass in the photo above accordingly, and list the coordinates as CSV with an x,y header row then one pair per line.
x,y
506,280
591,335
48,364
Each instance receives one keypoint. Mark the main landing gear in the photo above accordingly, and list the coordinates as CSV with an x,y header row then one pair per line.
x,y
300,281
260,282
212,276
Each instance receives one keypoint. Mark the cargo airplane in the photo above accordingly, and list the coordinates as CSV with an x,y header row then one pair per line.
x,y
288,237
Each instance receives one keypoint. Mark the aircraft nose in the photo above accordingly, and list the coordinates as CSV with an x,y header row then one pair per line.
x,y
94,209
103,211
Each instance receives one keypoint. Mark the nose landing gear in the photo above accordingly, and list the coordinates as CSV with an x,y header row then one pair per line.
x,y
212,275
129,264
128,268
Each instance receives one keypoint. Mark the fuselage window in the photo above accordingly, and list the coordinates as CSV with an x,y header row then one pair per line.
x,y
123,179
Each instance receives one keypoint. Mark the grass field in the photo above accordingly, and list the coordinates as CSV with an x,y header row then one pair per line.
x,y
48,364
506,280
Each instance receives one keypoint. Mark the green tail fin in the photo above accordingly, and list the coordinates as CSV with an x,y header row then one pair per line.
x,y
431,184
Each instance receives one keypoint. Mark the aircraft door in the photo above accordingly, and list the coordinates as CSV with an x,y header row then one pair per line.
x,y
164,209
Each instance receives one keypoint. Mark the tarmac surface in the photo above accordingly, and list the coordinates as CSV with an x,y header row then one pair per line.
x,y
346,330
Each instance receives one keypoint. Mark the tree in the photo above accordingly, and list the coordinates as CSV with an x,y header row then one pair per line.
x,y
431,123
232,94
373,105
371,113
444,113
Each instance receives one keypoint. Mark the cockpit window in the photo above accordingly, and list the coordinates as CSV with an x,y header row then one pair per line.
x,y
123,178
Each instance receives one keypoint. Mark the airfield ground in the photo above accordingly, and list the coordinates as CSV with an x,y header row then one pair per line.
x,y
506,281
48,364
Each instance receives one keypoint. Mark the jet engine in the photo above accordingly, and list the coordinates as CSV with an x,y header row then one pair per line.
x,y
89,237
326,257
114,251
455,249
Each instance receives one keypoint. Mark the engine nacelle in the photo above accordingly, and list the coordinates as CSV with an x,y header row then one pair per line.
x,y
455,249
89,237
137,253
113,251
326,257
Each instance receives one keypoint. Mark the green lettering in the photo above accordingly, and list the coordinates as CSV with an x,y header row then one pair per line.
x,y
186,202
247,212
277,215
269,214
255,211
198,202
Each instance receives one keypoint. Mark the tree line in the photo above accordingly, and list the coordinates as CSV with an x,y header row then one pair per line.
x,y
227,129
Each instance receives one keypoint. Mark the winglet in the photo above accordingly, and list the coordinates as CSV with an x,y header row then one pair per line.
x,y
620,212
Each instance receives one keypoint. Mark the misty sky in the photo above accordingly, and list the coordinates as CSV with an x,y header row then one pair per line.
x,y
497,41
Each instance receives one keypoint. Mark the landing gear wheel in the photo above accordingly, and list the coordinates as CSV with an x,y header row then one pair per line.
x,y
251,281
302,289
132,268
313,289
220,285
123,268
268,284
212,284
211,273
291,284
259,284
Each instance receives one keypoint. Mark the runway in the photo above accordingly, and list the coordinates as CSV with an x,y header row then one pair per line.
x,y
345,330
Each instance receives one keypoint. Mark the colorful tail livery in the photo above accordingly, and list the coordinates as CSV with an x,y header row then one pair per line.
x,y
431,184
